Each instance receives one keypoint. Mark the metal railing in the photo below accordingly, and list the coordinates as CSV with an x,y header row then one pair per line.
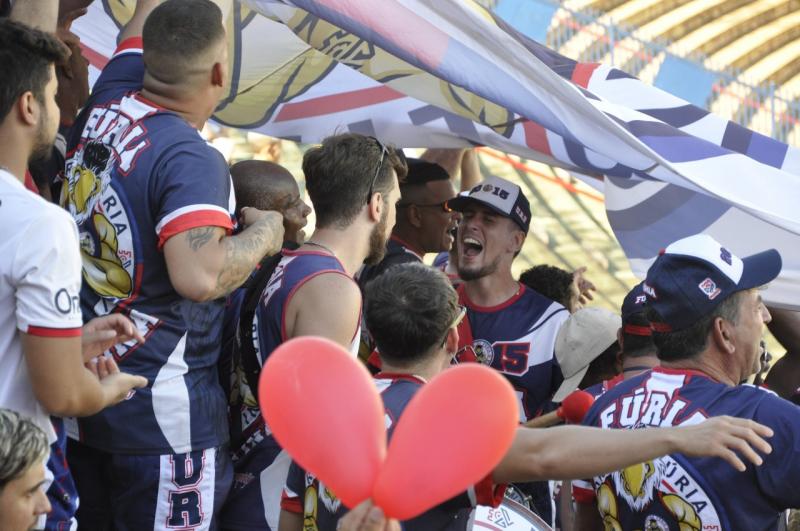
x,y
593,37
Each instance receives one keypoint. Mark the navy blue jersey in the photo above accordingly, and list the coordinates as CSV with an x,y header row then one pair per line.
x,y
254,449
675,492
294,269
518,339
321,508
136,175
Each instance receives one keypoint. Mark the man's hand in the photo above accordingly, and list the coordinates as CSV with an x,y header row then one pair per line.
x,y
250,216
117,386
725,437
366,517
102,333
584,285
66,18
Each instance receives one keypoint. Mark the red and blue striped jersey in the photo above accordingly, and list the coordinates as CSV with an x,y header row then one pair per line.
x,y
137,174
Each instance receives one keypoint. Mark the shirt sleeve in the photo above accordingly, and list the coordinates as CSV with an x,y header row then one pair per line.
x,y
192,189
47,277
124,72
779,475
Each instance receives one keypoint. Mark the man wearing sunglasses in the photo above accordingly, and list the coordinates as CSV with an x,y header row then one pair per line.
x,y
425,220
352,181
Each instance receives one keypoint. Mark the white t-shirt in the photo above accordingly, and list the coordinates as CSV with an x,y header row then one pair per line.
x,y
40,280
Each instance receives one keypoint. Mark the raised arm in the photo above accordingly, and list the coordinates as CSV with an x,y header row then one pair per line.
x,y
470,170
573,452
134,26
204,264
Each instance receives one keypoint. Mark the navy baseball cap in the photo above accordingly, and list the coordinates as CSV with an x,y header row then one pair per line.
x,y
634,303
500,195
693,275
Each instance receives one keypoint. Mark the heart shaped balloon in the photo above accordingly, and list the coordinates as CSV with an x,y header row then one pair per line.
x,y
453,433
324,410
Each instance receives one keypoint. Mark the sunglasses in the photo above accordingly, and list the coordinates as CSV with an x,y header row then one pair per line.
x,y
384,151
462,311
444,206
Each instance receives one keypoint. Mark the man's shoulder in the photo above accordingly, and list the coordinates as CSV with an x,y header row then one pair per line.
x,y
312,275
770,407
22,208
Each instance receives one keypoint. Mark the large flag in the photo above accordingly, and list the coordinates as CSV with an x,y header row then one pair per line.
x,y
450,73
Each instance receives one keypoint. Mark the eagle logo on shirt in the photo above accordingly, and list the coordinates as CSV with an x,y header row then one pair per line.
x,y
659,490
105,234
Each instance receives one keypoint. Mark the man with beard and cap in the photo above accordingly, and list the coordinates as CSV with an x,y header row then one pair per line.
x,y
708,319
353,183
508,327
425,221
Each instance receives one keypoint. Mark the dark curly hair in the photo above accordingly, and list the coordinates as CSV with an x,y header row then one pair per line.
x,y
550,281
26,55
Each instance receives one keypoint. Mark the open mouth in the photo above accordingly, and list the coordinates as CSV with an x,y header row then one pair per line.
x,y
471,246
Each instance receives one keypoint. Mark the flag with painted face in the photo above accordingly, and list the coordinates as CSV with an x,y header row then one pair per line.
x,y
450,73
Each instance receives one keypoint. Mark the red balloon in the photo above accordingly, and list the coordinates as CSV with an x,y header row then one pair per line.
x,y
323,409
575,406
454,432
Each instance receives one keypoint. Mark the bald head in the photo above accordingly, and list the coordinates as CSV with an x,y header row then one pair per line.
x,y
269,186
261,184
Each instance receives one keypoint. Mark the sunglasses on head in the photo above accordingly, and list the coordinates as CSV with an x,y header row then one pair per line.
x,y
384,150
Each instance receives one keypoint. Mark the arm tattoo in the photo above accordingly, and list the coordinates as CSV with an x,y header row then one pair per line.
x,y
244,251
199,237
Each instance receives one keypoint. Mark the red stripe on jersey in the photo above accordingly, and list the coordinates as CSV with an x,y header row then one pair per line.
x,y
43,331
192,220
133,43
582,495
293,505
465,300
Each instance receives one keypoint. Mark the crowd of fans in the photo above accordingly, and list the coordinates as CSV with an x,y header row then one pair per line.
x,y
145,283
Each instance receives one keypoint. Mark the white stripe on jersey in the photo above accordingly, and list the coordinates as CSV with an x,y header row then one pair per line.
x,y
273,481
186,210
171,403
167,489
